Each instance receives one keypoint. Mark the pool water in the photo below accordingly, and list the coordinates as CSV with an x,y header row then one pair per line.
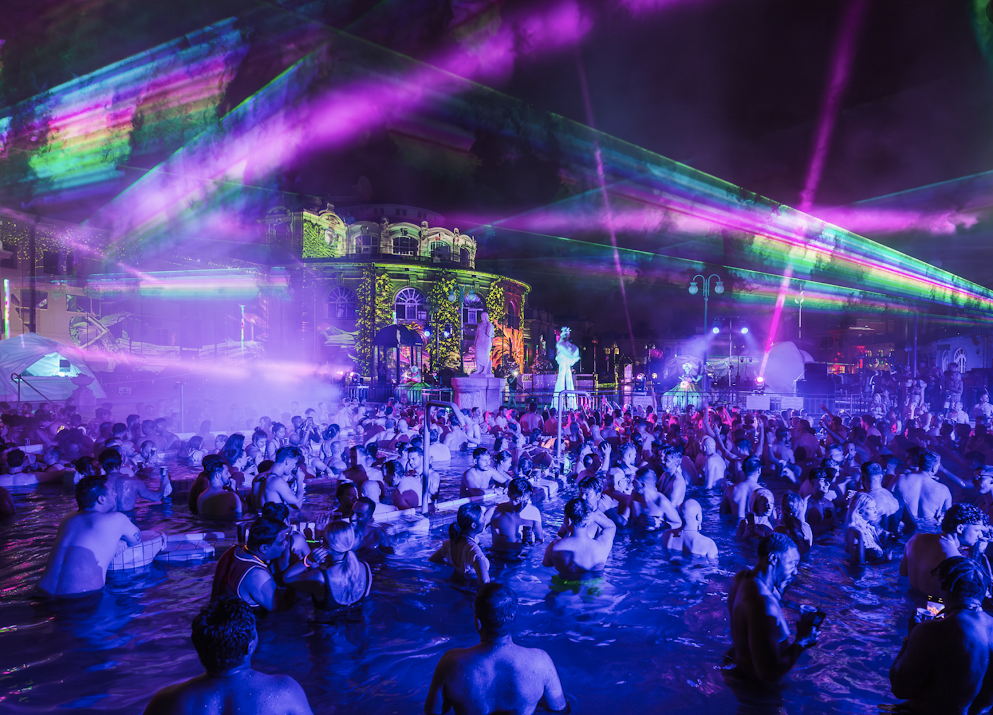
x,y
649,637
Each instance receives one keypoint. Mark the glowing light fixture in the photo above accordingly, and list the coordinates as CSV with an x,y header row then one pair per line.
x,y
715,330
719,288
744,331
694,289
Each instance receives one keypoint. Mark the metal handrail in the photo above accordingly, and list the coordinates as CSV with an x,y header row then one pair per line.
x,y
558,431
18,378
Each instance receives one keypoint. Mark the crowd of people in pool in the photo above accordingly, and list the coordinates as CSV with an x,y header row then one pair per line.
x,y
623,469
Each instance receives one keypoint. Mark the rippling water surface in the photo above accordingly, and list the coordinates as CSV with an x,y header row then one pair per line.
x,y
648,638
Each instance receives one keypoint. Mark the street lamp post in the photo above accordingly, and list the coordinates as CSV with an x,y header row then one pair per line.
x,y
694,289
799,324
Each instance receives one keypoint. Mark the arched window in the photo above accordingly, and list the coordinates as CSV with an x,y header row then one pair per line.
x,y
441,251
405,244
464,257
513,316
410,304
472,309
341,304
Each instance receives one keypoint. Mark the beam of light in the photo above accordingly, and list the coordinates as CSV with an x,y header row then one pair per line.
x,y
841,66
6,308
217,284
777,312
602,178
242,329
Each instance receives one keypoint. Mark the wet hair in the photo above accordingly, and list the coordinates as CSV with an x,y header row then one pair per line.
x,y
966,514
233,448
478,452
577,510
592,483
928,461
816,475
343,489
391,469
277,511
263,532
195,443
276,426
223,633
89,489
962,577
872,469
791,505
519,489
86,466
119,429
288,452
524,465
214,467
468,515
752,465
372,450
496,608
110,459
501,456
644,475
15,458
775,543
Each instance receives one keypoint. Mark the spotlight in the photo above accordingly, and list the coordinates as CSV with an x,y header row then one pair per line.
x,y
760,379
655,376
715,330
427,332
693,288
744,331
719,288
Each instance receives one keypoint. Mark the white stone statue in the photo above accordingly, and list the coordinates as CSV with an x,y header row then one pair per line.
x,y
483,346
566,355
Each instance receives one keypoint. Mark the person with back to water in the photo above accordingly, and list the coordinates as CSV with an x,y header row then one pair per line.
x,y
340,579
273,486
921,493
962,526
944,664
687,539
497,675
460,549
225,639
513,524
760,650
579,554
87,541
126,489
218,501
243,571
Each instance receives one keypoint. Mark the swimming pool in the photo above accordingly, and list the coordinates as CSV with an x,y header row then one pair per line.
x,y
648,638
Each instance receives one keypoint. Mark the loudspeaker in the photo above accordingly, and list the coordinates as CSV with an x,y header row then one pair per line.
x,y
815,371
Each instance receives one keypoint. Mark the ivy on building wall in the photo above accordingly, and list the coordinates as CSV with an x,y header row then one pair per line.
x,y
314,245
496,305
445,313
370,317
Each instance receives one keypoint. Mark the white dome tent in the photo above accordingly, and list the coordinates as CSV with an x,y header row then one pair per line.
x,y
48,368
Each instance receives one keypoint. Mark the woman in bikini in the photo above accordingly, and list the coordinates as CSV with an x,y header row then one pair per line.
x,y
340,580
460,550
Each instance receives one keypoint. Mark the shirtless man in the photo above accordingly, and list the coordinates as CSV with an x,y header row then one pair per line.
x,y
672,483
651,509
714,466
496,676
590,491
983,482
741,495
218,501
923,495
128,489
225,639
87,541
477,479
243,571
579,554
273,485
369,536
408,492
688,540
886,504
512,517
362,469
759,630
962,528
944,664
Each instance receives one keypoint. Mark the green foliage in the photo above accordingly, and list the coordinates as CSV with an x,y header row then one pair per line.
x,y
369,317
496,305
314,245
445,312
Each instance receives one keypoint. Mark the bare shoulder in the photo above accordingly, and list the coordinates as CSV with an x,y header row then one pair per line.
x,y
173,699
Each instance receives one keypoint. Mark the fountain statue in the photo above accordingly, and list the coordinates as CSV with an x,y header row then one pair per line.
x,y
483,346
566,355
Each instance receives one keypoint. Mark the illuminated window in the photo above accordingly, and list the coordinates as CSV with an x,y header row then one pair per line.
x,y
441,251
341,304
464,257
405,244
410,304
471,310
513,316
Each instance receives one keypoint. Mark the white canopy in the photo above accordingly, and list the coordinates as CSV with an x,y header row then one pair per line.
x,y
30,350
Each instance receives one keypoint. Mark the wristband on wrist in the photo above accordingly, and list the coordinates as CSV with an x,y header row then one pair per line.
x,y
306,562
